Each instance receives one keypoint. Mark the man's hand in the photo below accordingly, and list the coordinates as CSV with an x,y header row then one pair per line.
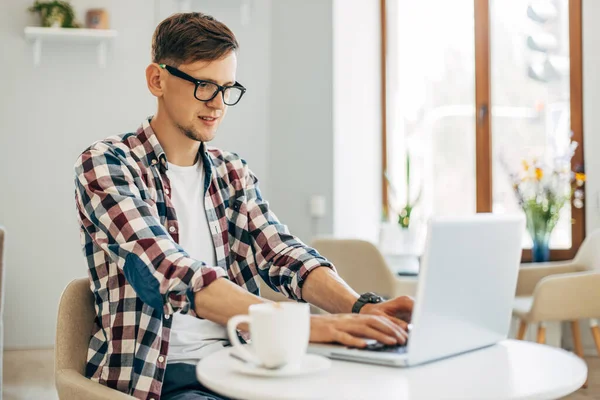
x,y
351,329
398,310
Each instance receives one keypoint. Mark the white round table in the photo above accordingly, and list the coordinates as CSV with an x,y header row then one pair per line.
x,y
509,370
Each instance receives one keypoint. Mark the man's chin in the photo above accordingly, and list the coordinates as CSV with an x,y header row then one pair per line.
x,y
207,137
200,136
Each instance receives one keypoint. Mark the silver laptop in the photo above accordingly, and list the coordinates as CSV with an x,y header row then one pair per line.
x,y
464,296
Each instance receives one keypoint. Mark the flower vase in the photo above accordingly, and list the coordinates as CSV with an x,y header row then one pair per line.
x,y
394,239
541,246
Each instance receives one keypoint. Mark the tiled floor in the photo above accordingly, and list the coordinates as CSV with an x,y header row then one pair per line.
x,y
29,375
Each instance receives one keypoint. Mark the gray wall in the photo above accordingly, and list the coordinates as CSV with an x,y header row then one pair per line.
x,y
49,114
301,112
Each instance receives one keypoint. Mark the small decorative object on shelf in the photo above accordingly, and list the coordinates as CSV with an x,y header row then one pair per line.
x,y
96,18
542,191
55,14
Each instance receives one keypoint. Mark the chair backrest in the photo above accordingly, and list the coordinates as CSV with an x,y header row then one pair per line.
x,y
359,263
74,325
588,255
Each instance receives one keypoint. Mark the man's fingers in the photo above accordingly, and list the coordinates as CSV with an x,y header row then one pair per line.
x,y
398,322
348,340
404,316
384,324
365,331
351,330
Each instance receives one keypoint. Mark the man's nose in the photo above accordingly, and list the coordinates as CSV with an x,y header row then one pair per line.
x,y
217,102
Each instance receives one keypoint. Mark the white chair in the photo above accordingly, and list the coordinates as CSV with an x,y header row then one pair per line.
x,y
562,291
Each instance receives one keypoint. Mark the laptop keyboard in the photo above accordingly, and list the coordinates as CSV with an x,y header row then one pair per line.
x,y
384,348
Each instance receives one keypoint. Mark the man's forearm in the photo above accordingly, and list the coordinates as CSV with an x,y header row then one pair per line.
x,y
223,299
325,289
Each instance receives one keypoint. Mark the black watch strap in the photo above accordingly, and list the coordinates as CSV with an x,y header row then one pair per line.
x,y
366,298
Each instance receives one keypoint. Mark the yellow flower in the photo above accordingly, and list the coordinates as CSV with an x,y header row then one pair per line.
x,y
539,174
580,176
525,165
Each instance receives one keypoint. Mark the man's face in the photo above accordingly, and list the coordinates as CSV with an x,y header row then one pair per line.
x,y
198,120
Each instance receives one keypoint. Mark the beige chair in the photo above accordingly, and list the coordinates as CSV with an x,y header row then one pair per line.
x,y
1,301
562,291
362,266
74,326
270,294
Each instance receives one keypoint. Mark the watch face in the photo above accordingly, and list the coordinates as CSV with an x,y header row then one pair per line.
x,y
373,298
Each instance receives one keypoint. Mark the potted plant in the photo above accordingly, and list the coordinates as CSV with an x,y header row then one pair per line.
x,y
401,236
542,192
55,14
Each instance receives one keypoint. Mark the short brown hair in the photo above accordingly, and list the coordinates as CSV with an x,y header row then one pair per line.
x,y
189,37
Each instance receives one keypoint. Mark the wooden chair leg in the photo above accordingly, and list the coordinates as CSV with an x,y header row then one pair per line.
x,y
541,335
522,330
578,346
596,334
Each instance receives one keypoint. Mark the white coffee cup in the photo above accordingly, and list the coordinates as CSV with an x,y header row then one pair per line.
x,y
279,333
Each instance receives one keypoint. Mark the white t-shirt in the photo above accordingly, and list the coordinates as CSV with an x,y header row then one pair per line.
x,y
192,338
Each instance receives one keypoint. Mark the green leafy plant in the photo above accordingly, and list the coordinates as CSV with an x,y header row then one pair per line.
x,y
55,13
405,211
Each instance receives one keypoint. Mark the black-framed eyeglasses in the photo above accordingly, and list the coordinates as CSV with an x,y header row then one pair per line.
x,y
207,90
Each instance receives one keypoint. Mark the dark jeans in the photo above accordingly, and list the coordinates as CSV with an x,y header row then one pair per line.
x,y
180,383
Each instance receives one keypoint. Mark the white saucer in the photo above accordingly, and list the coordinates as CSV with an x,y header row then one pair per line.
x,y
310,364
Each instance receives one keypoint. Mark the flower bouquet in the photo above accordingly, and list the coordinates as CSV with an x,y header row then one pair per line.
x,y
542,191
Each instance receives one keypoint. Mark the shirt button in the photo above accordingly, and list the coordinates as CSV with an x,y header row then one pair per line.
x,y
171,229
161,359
167,316
167,191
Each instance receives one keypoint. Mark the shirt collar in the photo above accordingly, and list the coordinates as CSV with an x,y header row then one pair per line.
x,y
155,154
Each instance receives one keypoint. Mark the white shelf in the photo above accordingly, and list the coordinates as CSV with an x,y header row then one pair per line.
x,y
99,37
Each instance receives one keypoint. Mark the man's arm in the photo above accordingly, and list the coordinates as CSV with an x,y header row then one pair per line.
x,y
223,299
127,227
327,290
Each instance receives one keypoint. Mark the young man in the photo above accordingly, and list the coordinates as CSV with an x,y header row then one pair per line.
x,y
177,234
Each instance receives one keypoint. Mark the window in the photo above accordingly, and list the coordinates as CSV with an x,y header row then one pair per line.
x,y
469,83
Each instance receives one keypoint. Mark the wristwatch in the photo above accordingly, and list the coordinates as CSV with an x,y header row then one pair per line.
x,y
366,298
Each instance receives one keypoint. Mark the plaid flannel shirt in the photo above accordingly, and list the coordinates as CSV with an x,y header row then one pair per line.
x,y
140,276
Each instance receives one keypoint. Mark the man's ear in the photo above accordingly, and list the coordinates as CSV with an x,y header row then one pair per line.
x,y
154,79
